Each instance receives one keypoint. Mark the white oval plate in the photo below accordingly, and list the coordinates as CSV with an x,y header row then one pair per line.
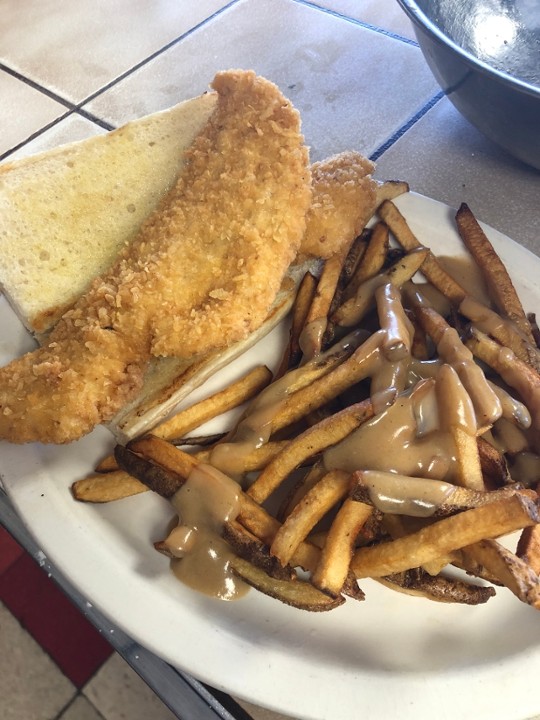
x,y
392,656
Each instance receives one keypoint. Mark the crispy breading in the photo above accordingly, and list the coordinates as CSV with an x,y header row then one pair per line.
x,y
202,273
344,199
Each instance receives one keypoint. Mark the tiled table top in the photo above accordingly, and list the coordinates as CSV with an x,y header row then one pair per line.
x,y
352,67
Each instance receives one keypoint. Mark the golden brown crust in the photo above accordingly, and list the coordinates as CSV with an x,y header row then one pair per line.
x,y
202,273
344,199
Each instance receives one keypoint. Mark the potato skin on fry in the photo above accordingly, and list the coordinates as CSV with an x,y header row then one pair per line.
x,y
440,588
298,593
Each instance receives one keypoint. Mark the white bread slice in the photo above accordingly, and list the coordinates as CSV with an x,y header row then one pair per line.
x,y
65,213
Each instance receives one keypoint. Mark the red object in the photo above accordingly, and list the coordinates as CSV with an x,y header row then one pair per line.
x,y
50,617
10,550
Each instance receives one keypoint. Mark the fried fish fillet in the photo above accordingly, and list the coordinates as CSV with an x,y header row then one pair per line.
x,y
202,273
344,199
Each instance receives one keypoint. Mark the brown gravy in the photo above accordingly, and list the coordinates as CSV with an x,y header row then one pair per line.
x,y
417,497
206,501
405,439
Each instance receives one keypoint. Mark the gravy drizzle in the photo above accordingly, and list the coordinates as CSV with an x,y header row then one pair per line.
x,y
255,428
405,455
392,441
205,502
414,496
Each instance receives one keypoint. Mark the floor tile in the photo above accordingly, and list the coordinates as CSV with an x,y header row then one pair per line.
x,y
31,686
72,128
443,147
50,617
118,693
75,48
320,66
81,709
10,551
381,13
23,110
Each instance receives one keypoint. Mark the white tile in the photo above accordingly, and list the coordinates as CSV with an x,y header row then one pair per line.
x,y
31,685
71,129
23,111
341,76
80,709
118,693
75,48
444,157
385,14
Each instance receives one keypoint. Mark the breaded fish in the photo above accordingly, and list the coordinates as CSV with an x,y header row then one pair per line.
x,y
344,199
202,273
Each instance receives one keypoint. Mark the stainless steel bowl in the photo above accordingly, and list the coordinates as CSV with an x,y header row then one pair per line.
x,y
485,54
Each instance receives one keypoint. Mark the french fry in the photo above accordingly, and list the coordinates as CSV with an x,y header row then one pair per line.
x,y
421,497
304,298
372,261
419,583
493,463
103,488
456,415
312,441
164,468
311,337
393,321
354,257
229,398
337,551
353,310
431,267
107,464
528,547
505,333
327,387
440,538
300,488
500,286
160,474
390,190
515,373
512,571
298,593
255,460
419,344
161,452
451,349
195,415
312,507
248,546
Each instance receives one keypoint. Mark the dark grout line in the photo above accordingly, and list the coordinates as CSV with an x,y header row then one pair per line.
x,y
95,119
361,23
35,134
78,107
36,86
155,54
407,126
70,704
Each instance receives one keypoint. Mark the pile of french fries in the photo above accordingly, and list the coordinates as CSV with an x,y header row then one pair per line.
x,y
356,332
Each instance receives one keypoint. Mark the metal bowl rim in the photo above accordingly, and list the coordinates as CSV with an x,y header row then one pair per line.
x,y
422,21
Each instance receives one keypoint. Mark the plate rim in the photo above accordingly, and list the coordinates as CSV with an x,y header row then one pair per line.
x,y
381,693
